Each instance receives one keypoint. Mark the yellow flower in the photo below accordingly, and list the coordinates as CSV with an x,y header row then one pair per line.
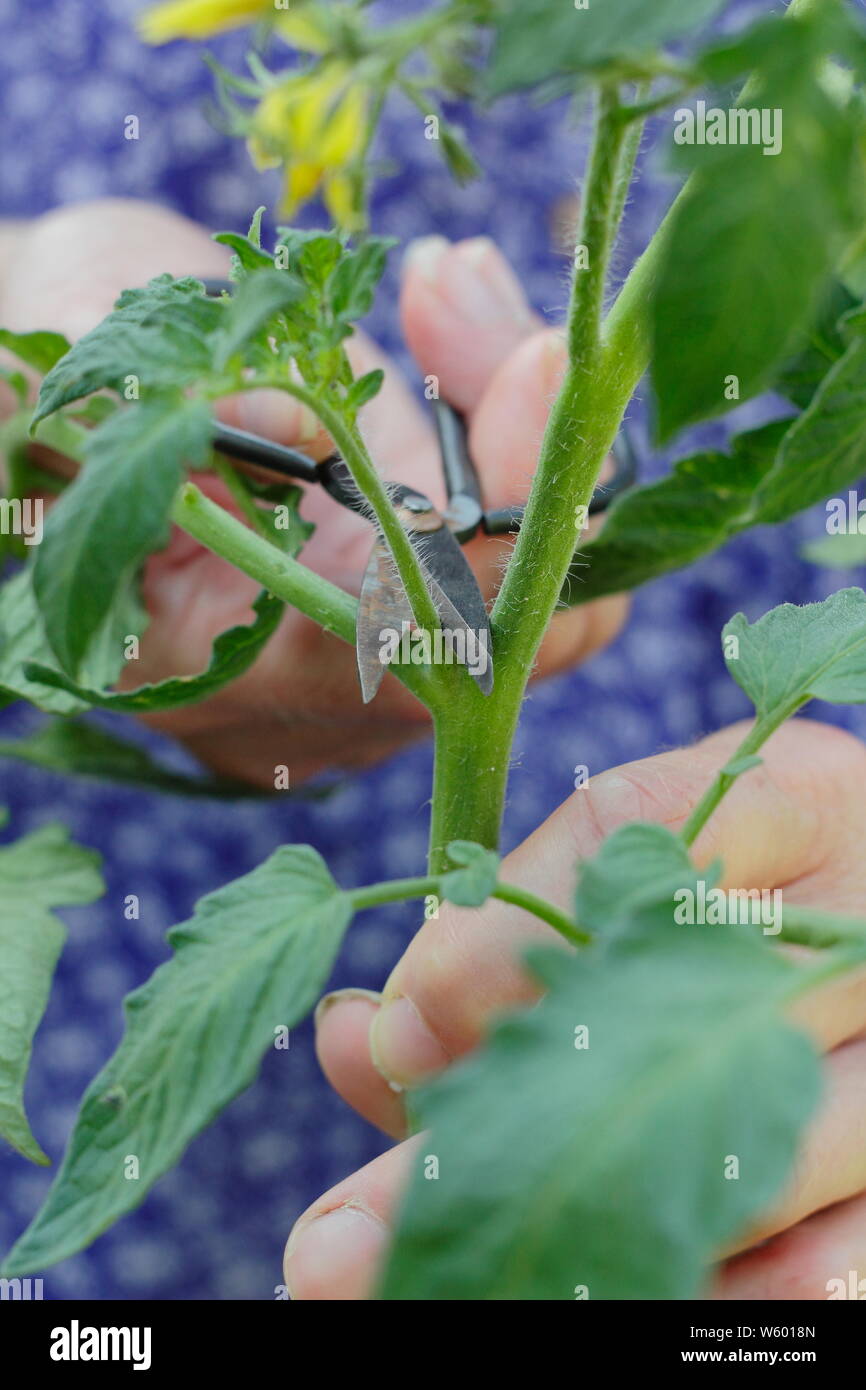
x,y
302,31
315,124
198,19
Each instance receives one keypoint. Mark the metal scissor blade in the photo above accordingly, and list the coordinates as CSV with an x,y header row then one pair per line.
x,y
478,653
382,606
448,567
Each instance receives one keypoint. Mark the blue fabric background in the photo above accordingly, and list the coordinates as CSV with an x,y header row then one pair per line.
x,y
70,71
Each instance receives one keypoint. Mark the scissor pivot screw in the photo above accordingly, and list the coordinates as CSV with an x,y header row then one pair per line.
x,y
417,504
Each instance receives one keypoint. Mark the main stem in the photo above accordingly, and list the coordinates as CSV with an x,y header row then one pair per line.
x,y
473,735
474,739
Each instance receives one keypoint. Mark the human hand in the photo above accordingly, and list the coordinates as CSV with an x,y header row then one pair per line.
x,y
468,323
795,824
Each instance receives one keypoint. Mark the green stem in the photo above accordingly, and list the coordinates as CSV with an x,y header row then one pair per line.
x,y
473,740
629,153
643,109
399,890
596,230
354,451
404,889
757,736
807,927
539,907
580,431
216,529
474,735
333,609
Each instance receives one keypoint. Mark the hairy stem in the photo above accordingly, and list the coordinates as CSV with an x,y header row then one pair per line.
x,y
757,736
580,431
606,364
404,889
332,608
473,735
213,527
539,907
354,451
399,890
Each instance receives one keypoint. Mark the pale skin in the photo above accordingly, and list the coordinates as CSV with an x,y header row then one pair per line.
x,y
793,825
468,323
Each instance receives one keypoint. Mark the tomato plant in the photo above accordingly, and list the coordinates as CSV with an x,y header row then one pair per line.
x,y
752,283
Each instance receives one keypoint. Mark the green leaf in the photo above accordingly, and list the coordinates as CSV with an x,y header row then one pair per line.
x,y
91,412
352,285
473,881
598,1159
364,389
23,640
248,249
42,871
825,449
248,255
793,655
233,653
312,253
840,552
742,212
290,531
540,39
724,61
824,343
254,305
75,747
113,516
459,158
652,530
17,382
317,255
252,960
254,234
631,881
39,350
160,335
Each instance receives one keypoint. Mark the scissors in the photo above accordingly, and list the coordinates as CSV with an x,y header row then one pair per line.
x,y
383,605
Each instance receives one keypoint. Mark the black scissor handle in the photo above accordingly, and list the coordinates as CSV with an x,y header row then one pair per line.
x,y
462,482
465,513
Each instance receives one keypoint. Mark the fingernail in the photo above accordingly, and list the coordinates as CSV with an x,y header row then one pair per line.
x,y
424,255
344,996
330,1256
481,286
403,1049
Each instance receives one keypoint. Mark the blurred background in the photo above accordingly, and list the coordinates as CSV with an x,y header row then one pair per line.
x,y
70,72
